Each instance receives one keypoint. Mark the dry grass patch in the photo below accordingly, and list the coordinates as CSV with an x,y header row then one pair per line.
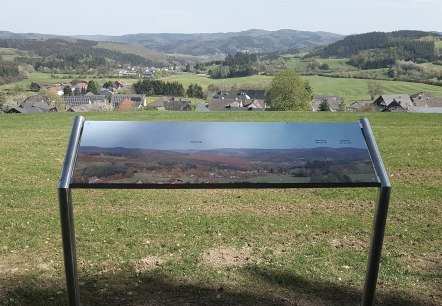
x,y
148,263
227,256
416,174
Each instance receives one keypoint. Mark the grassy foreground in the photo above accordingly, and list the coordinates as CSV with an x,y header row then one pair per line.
x,y
220,247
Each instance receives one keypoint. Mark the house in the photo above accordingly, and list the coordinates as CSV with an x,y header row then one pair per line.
x,y
32,107
139,100
76,81
120,84
80,108
177,105
80,87
71,101
238,95
126,105
169,103
425,103
360,106
149,72
159,103
393,103
335,103
202,107
56,89
92,107
37,86
237,100
216,105
106,92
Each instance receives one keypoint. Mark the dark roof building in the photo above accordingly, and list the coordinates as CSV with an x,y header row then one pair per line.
x,y
237,100
423,99
71,101
139,100
360,106
32,107
335,103
177,105
393,103
238,95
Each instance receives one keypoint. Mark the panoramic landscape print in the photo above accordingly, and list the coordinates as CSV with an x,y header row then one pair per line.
x,y
222,153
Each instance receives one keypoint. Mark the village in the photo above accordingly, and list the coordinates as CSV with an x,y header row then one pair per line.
x,y
117,96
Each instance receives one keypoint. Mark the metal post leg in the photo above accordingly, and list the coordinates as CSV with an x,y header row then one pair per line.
x,y
374,257
68,237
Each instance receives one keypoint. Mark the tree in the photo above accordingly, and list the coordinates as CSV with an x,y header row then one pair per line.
x,y
54,100
67,91
374,89
323,106
187,69
195,91
93,87
108,85
289,91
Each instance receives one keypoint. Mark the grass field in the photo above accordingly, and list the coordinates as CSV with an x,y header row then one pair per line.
x,y
350,89
220,247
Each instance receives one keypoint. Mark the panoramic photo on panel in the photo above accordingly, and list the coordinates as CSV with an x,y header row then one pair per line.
x,y
222,152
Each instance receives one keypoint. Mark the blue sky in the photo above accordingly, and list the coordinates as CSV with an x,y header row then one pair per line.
x,y
111,17
218,135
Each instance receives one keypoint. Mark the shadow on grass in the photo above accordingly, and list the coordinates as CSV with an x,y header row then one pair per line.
x,y
122,289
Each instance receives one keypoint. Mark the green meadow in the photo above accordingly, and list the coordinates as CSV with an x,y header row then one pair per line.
x,y
221,246
351,89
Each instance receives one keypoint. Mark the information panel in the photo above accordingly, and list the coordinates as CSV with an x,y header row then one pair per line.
x,y
231,154
116,154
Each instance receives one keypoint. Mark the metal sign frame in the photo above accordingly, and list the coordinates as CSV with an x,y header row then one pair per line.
x,y
67,217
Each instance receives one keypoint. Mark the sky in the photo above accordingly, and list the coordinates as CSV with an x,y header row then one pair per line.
x,y
220,135
109,17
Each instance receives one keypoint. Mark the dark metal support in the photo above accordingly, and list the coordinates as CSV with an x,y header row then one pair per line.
x,y
380,217
67,215
377,239
69,250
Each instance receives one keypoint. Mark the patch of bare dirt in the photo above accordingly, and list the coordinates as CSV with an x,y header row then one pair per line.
x,y
416,174
148,263
227,256
431,264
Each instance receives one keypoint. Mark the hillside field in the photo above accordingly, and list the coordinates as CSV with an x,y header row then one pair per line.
x,y
351,89
220,247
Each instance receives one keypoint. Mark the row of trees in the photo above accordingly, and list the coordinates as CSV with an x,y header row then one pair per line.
x,y
159,88
238,65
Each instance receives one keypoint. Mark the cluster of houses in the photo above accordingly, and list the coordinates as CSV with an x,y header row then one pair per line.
x,y
242,100
417,103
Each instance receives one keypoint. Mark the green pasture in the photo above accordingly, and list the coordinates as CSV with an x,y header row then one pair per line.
x,y
356,89
349,88
8,54
220,247
352,89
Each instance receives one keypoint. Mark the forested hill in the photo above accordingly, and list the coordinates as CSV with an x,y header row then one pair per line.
x,y
254,41
406,45
63,54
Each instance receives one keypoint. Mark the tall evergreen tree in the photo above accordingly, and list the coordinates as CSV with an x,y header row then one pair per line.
x,y
93,87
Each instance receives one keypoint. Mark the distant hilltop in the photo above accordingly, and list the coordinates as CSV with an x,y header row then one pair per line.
x,y
254,40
